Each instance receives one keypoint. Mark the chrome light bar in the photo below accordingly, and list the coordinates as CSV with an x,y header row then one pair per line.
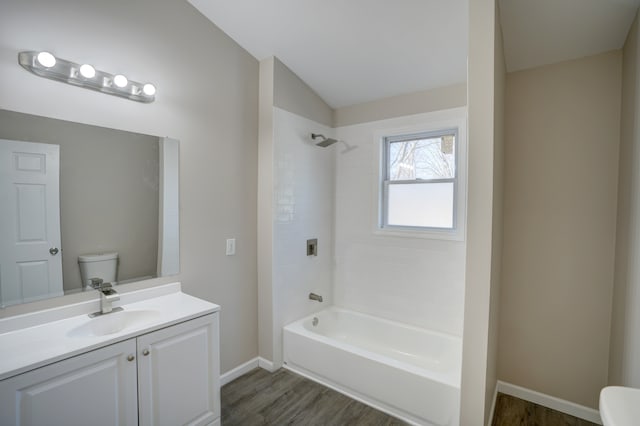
x,y
44,64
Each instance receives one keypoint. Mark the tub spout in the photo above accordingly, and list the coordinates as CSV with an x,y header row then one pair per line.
x,y
315,297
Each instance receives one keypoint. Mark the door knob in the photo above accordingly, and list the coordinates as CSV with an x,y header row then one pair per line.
x,y
53,251
145,352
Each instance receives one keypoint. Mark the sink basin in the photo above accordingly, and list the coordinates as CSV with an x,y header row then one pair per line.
x,y
114,323
619,406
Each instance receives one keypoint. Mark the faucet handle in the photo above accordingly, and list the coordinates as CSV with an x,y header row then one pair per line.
x,y
96,283
315,297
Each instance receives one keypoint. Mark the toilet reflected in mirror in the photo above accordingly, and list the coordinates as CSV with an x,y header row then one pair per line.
x,y
102,266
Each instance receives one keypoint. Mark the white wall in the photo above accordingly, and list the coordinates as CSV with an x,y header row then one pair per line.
x,y
266,170
474,399
207,98
295,203
499,88
303,209
418,281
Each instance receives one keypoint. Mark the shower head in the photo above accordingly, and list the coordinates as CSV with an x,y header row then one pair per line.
x,y
325,142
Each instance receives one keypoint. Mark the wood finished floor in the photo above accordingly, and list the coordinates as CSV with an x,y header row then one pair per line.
x,y
514,411
284,398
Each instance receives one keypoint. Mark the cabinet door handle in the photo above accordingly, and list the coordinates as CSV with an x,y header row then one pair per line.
x,y
145,352
131,358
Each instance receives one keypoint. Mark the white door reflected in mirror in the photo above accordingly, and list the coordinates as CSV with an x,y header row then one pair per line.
x,y
30,262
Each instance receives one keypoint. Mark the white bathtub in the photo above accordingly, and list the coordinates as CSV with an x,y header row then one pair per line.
x,y
409,372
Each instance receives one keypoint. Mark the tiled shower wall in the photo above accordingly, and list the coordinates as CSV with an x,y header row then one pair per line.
x,y
413,280
303,209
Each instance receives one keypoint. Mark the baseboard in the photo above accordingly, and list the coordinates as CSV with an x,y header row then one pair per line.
x,y
240,370
493,405
548,401
266,364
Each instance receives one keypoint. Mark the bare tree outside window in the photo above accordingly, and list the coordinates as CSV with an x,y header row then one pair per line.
x,y
432,158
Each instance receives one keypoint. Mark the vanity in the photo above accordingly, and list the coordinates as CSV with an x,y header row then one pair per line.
x,y
155,362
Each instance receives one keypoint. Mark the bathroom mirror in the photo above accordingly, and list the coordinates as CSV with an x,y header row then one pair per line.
x,y
68,190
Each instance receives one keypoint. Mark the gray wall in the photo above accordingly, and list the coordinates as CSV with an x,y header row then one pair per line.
x,y
294,95
561,185
207,98
108,191
402,105
624,360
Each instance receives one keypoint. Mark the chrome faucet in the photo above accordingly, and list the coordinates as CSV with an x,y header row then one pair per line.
x,y
315,297
107,296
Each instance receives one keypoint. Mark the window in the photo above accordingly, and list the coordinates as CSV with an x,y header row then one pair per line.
x,y
420,181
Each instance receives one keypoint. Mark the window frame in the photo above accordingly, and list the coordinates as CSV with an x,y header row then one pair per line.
x,y
386,178
430,122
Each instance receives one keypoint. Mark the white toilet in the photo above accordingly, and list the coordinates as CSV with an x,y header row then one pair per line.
x,y
99,265
620,406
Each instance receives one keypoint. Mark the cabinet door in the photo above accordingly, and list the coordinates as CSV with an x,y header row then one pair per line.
x,y
95,388
178,373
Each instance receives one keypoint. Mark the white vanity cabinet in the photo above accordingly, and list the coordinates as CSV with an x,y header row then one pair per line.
x,y
178,374
165,377
95,388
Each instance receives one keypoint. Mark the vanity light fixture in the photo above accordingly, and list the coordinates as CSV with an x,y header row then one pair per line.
x,y
44,64
149,89
46,59
87,71
120,80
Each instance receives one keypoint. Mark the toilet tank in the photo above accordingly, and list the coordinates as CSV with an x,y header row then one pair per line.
x,y
98,265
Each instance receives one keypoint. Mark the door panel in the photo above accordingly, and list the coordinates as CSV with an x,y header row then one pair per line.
x,y
32,213
29,222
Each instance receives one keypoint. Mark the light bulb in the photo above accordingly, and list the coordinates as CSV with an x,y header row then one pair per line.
x,y
46,59
87,71
120,80
149,89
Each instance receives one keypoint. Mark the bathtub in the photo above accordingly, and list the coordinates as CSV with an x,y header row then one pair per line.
x,y
408,372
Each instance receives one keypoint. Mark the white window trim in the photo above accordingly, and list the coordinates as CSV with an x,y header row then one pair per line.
x,y
455,118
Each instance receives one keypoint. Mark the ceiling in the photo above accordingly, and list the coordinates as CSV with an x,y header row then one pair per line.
x,y
541,32
356,51
353,51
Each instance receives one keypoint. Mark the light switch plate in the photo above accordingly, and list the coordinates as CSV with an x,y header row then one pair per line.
x,y
231,246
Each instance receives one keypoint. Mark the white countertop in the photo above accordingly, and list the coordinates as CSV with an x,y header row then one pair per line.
x,y
32,340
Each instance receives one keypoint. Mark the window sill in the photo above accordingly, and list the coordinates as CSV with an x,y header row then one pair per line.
x,y
428,234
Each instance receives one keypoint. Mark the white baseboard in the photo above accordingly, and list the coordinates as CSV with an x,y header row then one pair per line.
x,y
266,364
548,401
240,370
243,369
493,405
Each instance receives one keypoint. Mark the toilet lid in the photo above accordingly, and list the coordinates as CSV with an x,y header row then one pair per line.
x,y
97,257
